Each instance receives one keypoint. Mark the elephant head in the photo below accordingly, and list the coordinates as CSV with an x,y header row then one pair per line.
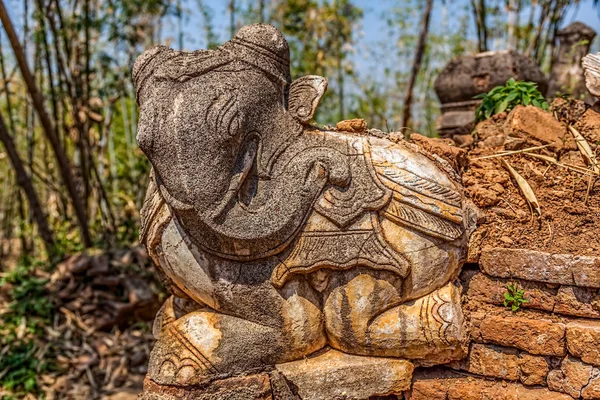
x,y
213,123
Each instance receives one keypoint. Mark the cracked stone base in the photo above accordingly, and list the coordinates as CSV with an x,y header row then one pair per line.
x,y
330,375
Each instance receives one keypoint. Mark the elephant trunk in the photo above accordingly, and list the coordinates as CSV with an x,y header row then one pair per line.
x,y
275,212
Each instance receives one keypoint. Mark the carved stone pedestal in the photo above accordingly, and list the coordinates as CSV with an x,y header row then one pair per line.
x,y
329,375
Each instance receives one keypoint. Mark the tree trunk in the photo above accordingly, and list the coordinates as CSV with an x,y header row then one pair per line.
x,y
420,50
533,44
483,19
232,17
511,9
24,180
48,127
180,24
261,11
479,14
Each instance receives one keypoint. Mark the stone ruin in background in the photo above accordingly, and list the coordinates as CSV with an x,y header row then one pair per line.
x,y
326,264
467,76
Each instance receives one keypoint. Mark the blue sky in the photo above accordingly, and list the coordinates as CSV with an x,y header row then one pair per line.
x,y
373,29
372,25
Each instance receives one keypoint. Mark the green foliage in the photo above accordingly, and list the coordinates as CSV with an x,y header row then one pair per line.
x,y
28,295
513,298
505,98
22,368
21,329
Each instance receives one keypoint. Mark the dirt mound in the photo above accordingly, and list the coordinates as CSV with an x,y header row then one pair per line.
x,y
564,184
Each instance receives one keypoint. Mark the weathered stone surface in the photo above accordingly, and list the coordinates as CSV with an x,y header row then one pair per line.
x,y
442,385
534,123
335,375
493,361
591,67
255,387
444,148
568,300
436,335
592,390
571,378
567,75
581,302
277,238
492,290
583,341
588,125
504,363
281,388
534,369
539,266
535,336
467,76
357,125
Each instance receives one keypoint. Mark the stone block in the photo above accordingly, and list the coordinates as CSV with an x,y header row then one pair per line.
x,y
493,361
535,336
534,369
256,387
534,123
568,300
577,301
583,341
491,290
571,378
592,390
334,375
504,363
441,385
565,269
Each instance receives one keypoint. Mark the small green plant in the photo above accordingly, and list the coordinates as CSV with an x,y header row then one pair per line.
x,y
513,298
22,333
507,97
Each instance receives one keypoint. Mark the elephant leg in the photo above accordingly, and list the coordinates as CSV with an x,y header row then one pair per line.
x,y
204,342
364,317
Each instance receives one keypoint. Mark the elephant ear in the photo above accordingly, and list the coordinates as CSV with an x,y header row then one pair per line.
x,y
304,97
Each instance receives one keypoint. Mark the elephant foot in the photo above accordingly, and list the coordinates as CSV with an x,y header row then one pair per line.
x,y
203,344
361,318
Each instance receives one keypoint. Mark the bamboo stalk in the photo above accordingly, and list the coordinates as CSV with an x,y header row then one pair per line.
x,y
24,180
47,125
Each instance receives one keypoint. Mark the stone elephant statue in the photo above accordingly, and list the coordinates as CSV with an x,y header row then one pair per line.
x,y
277,238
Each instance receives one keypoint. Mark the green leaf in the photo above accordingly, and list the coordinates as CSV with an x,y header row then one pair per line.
x,y
29,384
526,99
513,95
511,82
500,107
507,296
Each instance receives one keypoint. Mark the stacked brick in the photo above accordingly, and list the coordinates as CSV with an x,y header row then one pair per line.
x,y
549,349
